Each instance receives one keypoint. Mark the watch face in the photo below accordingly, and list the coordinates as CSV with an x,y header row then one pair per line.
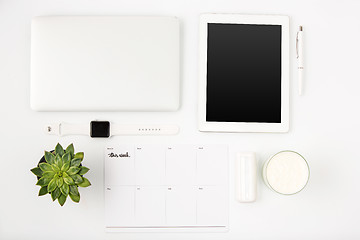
x,y
100,129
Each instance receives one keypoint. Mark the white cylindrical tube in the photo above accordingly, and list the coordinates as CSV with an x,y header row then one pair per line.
x,y
245,177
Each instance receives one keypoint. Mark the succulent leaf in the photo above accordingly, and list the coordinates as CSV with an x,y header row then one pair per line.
x,y
43,191
65,189
62,199
75,198
85,183
79,155
49,175
65,174
73,170
59,150
66,158
75,162
83,170
58,161
55,167
69,181
70,149
55,194
37,171
49,157
77,178
43,181
59,181
45,167
74,190
52,185
65,167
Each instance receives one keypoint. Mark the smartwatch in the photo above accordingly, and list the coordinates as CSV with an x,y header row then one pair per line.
x,y
105,129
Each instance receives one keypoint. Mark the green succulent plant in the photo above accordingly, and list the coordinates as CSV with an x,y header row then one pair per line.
x,y
61,174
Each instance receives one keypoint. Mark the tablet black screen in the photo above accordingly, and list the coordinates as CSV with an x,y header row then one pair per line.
x,y
243,73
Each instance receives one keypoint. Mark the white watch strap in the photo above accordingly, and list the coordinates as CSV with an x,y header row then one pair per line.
x,y
62,129
133,129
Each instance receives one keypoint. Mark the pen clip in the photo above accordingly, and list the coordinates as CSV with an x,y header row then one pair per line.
x,y
297,43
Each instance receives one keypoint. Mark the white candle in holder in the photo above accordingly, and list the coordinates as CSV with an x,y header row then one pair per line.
x,y
286,172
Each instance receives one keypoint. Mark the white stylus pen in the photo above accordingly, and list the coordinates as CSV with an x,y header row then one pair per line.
x,y
300,57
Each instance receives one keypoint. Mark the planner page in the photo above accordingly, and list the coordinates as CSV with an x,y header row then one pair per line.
x,y
166,188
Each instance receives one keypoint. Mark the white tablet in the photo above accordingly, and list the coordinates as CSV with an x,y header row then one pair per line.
x,y
244,73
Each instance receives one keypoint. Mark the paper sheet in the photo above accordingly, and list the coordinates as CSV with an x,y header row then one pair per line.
x,y
179,187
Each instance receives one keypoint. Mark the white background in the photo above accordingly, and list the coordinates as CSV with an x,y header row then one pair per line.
x,y
324,126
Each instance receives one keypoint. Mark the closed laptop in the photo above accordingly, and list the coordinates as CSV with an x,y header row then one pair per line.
x,y
104,63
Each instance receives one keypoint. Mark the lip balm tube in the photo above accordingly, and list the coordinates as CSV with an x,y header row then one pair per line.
x,y
245,177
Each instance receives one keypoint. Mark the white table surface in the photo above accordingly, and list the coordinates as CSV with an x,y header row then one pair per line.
x,y
325,125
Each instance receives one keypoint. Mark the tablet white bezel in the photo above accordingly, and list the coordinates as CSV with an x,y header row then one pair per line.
x,y
244,126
